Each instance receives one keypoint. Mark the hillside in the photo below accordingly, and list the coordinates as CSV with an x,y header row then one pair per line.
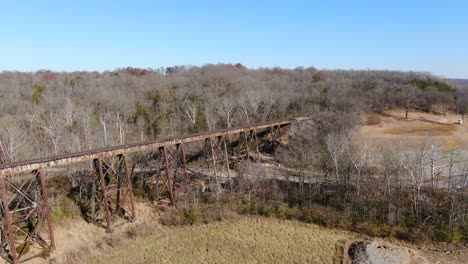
x,y
240,239
461,83
49,113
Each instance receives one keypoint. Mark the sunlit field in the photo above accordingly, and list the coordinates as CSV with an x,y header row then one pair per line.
x,y
246,241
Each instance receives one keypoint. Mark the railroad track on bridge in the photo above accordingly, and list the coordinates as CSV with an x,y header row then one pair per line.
x,y
26,211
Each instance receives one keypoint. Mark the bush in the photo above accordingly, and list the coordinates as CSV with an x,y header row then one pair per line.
x,y
216,213
172,217
45,253
442,234
417,235
191,216
402,233
64,209
458,236
378,230
314,219
282,210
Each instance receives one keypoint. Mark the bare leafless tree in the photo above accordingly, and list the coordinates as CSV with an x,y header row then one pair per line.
x,y
53,129
13,138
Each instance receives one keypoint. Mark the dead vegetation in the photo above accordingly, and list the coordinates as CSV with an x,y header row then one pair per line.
x,y
249,240
422,130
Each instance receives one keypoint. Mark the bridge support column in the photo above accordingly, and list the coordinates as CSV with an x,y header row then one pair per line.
x,y
26,217
184,159
173,160
104,194
248,143
216,156
9,226
46,206
128,173
115,181
274,138
168,169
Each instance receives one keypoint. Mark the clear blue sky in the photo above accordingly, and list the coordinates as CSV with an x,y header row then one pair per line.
x,y
104,35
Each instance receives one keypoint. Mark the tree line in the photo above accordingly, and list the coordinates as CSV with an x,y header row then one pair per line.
x,y
49,113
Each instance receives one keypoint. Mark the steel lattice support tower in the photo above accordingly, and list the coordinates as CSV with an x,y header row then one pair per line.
x,y
217,160
172,161
248,145
113,190
26,221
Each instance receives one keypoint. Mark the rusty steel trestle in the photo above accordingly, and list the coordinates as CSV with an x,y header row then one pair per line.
x,y
115,188
26,224
26,229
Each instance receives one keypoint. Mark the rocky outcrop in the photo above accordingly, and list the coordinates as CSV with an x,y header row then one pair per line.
x,y
372,252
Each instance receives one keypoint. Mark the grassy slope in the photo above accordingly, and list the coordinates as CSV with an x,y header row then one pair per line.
x,y
244,241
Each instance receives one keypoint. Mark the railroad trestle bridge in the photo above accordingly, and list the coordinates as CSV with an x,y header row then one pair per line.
x,y
26,210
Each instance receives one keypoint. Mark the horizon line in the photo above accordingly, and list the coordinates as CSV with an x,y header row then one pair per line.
x,y
38,70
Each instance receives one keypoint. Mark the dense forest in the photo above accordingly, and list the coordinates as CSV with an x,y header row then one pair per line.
x,y
47,113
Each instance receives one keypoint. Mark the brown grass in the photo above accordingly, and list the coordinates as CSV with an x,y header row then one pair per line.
x,y
251,240
239,240
422,129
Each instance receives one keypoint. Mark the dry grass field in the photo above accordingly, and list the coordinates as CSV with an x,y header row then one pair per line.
x,y
392,125
239,240
252,240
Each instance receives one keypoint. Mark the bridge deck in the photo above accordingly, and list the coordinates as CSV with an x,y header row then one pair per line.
x,y
77,157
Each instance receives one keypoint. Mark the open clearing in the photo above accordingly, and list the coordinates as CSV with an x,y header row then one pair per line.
x,y
240,240
243,239
392,125
252,240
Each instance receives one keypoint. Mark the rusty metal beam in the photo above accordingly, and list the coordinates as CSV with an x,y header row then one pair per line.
x,y
129,186
78,157
210,149
169,175
184,159
47,209
217,160
104,193
28,206
7,215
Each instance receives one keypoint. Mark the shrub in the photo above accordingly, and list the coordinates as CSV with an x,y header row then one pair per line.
x,y
374,229
314,219
282,210
191,216
458,236
216,213
45,253
172,217
64,209
442,234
